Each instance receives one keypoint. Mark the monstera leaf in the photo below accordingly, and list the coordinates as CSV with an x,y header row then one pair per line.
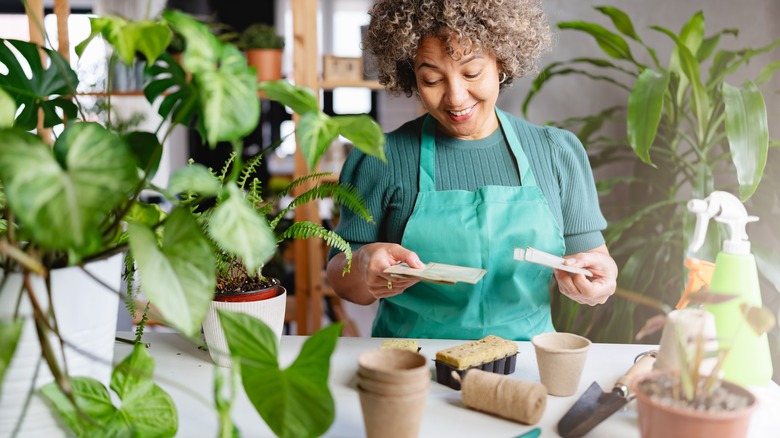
x,y
43,89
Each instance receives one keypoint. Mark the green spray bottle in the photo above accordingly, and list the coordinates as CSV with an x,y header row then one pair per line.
x,y
749,362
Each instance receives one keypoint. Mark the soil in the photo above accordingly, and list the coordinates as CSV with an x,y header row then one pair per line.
x,y
247,284
661,390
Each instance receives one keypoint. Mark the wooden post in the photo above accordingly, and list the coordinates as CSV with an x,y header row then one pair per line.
x,y
35,23
308,253
62,11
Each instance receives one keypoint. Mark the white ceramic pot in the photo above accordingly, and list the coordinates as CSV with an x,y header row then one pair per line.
x,y
270,311
86,313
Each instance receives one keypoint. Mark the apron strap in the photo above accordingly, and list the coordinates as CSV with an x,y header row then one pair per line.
x,y
428,152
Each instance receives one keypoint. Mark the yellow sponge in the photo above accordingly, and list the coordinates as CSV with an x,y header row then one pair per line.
x,y
402,344
476,353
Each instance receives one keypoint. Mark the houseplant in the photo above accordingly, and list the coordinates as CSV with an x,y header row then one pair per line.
x,y
253,292
683,131
263,48
687,396
78,202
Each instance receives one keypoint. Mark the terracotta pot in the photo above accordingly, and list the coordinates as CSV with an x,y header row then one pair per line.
x,y
267,62
267,305
657,420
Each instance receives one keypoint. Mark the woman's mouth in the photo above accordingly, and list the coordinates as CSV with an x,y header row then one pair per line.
x,y
461,115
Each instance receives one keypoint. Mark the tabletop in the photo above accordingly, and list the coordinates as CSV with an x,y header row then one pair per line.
x,y
187,374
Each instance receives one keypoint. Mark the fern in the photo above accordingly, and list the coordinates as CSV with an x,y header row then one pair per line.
x,y
305,230
315,177
248,170
223,173
254,195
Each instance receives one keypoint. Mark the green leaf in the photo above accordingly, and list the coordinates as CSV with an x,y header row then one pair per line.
x,y
316,131
226,88
645,106
10,332
149,410
7,109
767,72
37,91
195,178
62,199
94,401
300,100
239,229
364,133
146,410
147,150
747,130
768,263
690,69
230,105
295,402
611,43
620,20
128,37
145,213
179,277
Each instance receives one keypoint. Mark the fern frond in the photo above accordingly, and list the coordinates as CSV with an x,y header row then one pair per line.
x,y
248,170
347,195
305,230
293,185
255,194
226,167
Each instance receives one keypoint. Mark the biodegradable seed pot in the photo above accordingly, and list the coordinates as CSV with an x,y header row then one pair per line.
x,y
725,413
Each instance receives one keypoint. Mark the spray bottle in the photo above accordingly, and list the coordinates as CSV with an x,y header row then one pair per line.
x,y
749,361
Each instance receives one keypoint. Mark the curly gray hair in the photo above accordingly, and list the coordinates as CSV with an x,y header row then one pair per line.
x,y
515,31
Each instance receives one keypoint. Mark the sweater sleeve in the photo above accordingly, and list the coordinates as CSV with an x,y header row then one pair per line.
x,y
365,173
582,217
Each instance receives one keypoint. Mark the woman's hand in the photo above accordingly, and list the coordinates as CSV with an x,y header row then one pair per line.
x,y
371,261
589,290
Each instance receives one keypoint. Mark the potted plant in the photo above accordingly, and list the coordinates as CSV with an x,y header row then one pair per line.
x,y
685,395
246,288
684,130
67,205
263,48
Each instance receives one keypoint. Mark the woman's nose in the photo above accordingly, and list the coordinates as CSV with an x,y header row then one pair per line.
x,y
457,92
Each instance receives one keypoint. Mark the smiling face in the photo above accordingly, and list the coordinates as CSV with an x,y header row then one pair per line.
x,y
461,95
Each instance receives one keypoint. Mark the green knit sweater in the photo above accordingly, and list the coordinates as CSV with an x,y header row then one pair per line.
x,y
557,158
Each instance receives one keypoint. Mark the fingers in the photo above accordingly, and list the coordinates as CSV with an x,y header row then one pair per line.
x,y
589,290
379,256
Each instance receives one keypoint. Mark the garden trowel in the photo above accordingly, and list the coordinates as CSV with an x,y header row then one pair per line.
x,y
595,405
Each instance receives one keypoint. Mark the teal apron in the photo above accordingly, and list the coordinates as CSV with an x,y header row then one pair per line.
x,y
478,229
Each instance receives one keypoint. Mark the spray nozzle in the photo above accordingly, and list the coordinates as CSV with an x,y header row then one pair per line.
x,y
728,209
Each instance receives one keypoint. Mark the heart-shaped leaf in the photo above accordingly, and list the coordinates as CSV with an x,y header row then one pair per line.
x,y
146,409
294,402
62,199
178,277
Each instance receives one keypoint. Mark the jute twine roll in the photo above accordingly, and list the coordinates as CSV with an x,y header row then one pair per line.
x,y
516,400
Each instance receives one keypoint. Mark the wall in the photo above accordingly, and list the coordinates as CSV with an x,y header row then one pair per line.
x,y
757,21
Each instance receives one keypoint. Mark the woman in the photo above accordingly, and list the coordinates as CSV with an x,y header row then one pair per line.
x,y
466,183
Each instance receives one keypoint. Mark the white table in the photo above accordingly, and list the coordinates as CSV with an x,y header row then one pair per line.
x,y
186,373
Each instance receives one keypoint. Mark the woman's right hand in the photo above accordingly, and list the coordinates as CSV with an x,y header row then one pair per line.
x,y
371,260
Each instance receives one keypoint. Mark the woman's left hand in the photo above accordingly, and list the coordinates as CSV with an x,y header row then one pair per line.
x,y
589,290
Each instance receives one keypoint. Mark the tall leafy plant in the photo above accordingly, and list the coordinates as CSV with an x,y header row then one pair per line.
x,y
78,200
683,131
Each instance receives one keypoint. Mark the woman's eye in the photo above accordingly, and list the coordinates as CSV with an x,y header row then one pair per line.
x,y
430,82
472,75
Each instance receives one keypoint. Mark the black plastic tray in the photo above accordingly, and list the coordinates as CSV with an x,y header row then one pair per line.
x,y
444,371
